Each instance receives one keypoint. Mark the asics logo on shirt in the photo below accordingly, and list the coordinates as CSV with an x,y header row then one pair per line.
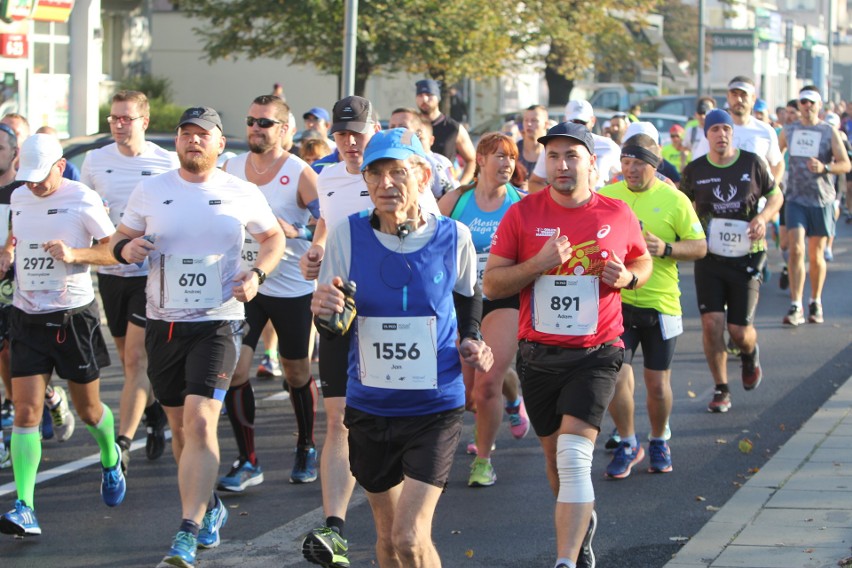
x,y
604,231
147,173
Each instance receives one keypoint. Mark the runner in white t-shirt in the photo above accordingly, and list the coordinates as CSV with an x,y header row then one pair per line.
x,y
55,323
190,224
289,185
114,171
342,192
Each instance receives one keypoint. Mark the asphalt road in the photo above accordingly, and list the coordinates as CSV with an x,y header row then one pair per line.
x,y
643,519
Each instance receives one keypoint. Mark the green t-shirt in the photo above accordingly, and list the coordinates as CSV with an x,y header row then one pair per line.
x,y
676,157
668,214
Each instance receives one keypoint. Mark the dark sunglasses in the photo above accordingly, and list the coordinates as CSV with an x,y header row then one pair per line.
x,y
805,101
262,122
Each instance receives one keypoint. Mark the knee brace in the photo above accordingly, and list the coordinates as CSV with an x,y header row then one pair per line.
x,y
574,465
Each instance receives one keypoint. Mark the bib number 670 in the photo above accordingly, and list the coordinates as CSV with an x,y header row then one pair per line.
x,y
192,279
565,303
396,351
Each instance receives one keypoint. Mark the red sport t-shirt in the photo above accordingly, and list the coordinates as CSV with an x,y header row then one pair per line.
x,y
570,306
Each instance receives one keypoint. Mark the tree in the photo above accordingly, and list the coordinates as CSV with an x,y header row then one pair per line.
x,y
681,29
445,40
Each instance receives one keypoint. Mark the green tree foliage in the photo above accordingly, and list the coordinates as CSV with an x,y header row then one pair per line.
x,y
681,29
164,114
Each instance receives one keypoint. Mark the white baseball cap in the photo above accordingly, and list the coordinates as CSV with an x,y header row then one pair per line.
x,y
648,128
38,154
580,111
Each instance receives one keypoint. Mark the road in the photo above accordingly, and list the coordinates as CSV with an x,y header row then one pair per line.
x,y
643,519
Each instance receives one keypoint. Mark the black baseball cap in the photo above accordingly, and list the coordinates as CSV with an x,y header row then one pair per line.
x,y
352,113
205,117
573,131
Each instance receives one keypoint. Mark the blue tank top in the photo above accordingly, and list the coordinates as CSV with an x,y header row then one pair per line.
x,y
482,224
415,284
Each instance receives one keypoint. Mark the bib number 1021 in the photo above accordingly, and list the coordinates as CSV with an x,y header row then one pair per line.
x,y
191,279
730,237
565,303
397,351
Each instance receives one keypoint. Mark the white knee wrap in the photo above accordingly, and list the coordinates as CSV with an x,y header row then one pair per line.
x,y
574,465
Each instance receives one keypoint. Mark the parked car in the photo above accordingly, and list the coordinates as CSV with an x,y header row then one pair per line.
x,y
675,104
76,148
620,96
662,122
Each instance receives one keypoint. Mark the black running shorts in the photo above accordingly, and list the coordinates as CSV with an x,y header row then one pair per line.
x,y
384,450
291,318
124,301
731,283
642,327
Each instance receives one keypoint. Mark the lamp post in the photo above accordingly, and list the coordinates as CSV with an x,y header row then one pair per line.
x,y
701,41
350,41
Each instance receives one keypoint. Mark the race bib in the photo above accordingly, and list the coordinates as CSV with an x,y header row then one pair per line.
x,y
670,326
36,270
398,352
729,237
481,259
190,282
805,144
251,250
566,305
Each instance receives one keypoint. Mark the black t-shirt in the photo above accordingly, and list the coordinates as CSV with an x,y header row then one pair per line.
x,y
726,192
446,131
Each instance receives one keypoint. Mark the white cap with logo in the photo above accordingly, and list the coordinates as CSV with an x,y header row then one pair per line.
x,y
38,154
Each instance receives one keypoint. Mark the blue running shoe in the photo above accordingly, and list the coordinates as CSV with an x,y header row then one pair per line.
x,y
113,485
661,457
623,460
214,519
46,424
20,521
243,474
305,467
182,552
7,414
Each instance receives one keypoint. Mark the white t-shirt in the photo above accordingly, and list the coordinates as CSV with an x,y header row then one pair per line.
x,y
73,214
755,136
114,176
282,194
198,228
608,162
341,194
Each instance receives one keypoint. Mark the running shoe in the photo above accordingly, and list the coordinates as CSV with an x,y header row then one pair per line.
x,y
784,280
113,485
721,402
7,414
519,420
326,547
243,474
623,460
182,552
269,367
660,456
305,466
155,443
20,521
794,316
5,457
46,426
732,348
586,558
815,313
752,373
481,473
614,440
214,519
61,416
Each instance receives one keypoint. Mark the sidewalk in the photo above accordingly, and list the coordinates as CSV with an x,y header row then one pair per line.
x,y
797,511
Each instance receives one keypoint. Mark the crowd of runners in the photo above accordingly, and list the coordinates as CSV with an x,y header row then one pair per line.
x,y
431,276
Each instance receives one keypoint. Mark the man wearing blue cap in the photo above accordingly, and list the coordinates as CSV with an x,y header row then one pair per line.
x,y
318,120
451,138
568,252
405,395
816,155
726,185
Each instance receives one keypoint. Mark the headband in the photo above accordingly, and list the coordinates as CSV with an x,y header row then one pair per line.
x,y
640,153
8,130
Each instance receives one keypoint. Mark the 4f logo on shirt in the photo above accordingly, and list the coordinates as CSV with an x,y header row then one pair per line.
x,y
727,196
214,202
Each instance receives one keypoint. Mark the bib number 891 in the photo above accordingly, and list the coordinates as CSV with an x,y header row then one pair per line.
x,y
192,279
396,351
565,303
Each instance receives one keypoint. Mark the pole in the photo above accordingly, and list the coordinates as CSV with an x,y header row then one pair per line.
x,y
350,19
701,42
830,41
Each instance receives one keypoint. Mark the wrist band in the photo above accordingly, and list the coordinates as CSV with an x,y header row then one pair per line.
x,y
116,251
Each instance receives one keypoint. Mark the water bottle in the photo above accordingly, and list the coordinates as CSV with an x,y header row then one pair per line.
x,y
337,324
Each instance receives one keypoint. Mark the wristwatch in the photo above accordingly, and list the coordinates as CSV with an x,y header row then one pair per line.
x,y
261,275
827,167
634,282
667,251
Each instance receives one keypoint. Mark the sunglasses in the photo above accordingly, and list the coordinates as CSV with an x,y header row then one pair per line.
x,y
805,101
262,122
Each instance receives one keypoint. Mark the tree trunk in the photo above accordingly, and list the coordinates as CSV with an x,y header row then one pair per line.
x,y
558,86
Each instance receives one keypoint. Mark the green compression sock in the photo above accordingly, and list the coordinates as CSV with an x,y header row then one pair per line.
x,y
104,434
26,455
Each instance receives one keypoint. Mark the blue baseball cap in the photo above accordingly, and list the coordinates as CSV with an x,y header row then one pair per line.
x,y
429,86
320,113
761,106
717,116
573,131
393,144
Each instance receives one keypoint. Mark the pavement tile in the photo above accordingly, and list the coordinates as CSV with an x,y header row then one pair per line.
x,y
780,557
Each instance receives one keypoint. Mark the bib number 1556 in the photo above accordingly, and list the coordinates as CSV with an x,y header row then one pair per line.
x,y
397,351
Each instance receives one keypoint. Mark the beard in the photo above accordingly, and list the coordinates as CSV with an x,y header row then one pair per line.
x,y
260,144
197,163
